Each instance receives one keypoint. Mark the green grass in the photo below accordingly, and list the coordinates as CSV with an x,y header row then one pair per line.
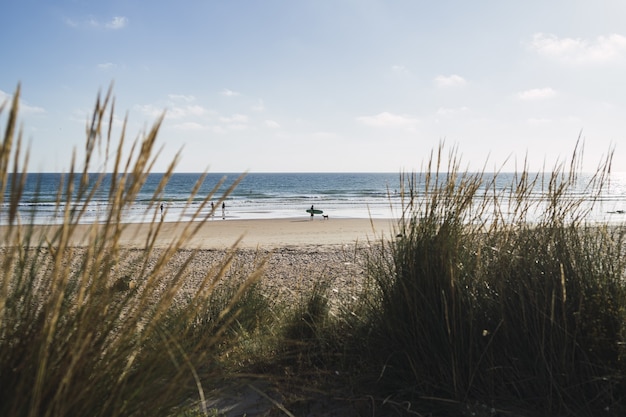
x,y
486,303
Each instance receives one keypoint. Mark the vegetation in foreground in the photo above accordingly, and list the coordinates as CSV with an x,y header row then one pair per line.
x,y
509,313
486,304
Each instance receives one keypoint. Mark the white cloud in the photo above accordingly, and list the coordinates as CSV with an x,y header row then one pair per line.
x,y
176,113
386,119
229,93
118,22
28,109
181,112
260,106
106,66
24,107
538,121
70,22
537,94
602,49
5,97
196,110
235,118
190,126
325,136
400,69
178,107
150,110
449,81
448,111
237,126
181,97
272,124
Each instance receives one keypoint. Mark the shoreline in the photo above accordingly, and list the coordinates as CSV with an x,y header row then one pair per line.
x,y
242,233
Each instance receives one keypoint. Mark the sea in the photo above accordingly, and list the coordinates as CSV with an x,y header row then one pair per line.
x,y
288,195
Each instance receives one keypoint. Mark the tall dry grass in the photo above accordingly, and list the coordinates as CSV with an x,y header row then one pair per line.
x,y
500,299
96,330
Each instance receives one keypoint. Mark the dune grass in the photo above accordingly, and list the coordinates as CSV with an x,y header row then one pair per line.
x,y
487,303
493,303
96,331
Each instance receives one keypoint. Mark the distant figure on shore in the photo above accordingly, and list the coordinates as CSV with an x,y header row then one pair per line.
x,y
212,209
312,211
161,211
223,211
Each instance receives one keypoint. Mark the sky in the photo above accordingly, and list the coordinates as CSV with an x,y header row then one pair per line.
x,y
323,85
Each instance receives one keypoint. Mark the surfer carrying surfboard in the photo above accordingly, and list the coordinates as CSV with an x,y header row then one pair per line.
x,y
313,211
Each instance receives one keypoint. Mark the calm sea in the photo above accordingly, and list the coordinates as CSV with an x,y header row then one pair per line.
x,y
278,195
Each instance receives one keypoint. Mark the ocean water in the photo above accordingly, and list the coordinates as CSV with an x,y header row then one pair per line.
x,y
287,195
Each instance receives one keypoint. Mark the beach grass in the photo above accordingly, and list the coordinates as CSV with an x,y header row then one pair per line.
x,y
509,312
488,301
96,330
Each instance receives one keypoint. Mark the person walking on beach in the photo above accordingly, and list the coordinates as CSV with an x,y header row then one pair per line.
x,y
212,209
161,211
223,211
312,211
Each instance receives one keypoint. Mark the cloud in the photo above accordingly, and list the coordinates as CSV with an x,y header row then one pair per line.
x,y
235,119
449,81
271,124
325,136
177,107
5,97
537,94
400,70
229,93
196,110
260,106
538,121
28,109
181,97
190,126
602,49
70,22
150,110
386,119
118,22
449,111
24,107
106,66
182,112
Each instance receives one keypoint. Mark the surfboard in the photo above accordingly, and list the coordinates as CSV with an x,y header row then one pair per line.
x,y
314,211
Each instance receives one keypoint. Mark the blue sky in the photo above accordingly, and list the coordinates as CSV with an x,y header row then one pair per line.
x,y
324,85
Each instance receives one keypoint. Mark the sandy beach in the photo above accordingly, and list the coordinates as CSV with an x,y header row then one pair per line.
x,y
275,233
299,251
254,234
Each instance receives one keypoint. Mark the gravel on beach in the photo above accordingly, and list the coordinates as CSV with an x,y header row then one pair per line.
x,y
286,273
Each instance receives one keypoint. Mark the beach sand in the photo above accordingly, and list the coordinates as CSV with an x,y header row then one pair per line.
x,y
253,234
275,233
298,251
